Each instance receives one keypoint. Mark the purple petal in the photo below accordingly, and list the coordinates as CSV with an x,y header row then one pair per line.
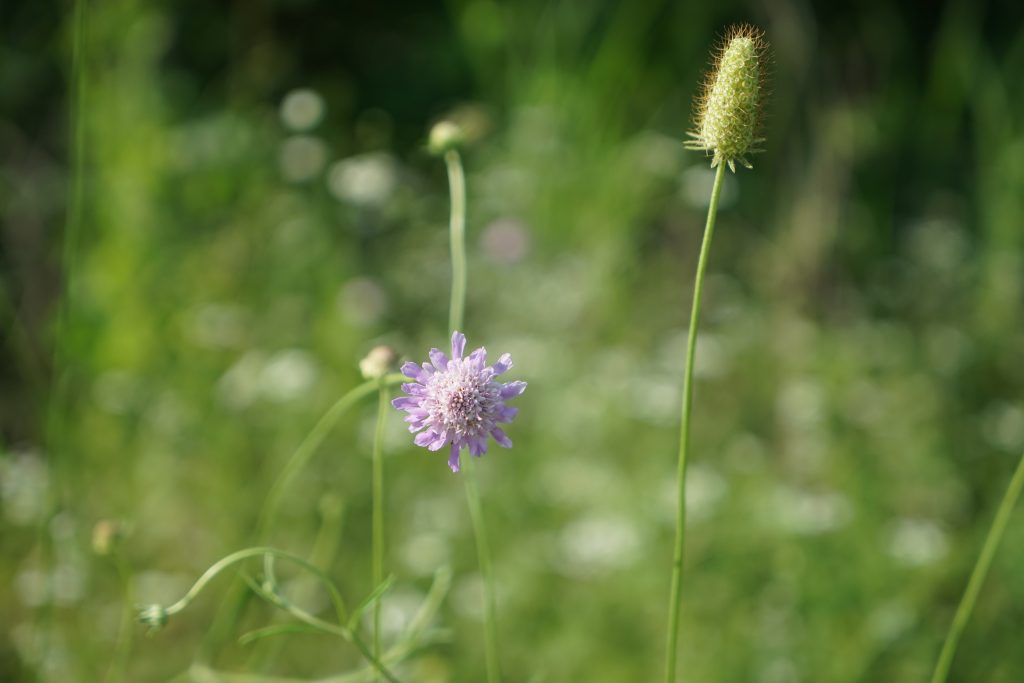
x,y
507,414
424,438
458,344
439,360
440,441
512,389
413,371
406,402
414,389
501,437
453,459
478,359
503,364
478,446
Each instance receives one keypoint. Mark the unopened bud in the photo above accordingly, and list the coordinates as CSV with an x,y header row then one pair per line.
x,y
378,362
153,616
106,534
444,136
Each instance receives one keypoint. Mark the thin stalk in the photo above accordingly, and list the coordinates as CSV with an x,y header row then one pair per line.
x,y
302,455
483,552
123,646
336,600
988,551
672,640
457,226
378,508
234,603
457,229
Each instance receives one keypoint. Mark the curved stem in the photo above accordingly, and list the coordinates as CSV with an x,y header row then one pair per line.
x,y
483,552
457,229
684,435
232,605
988,551
297,612
378,508
242,555
300,458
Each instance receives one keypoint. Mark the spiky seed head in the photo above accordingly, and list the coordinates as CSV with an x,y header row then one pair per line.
x,y
729,108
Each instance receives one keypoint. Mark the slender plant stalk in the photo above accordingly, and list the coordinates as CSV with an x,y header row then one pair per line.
x,y
342,630
457,225
457,229
378,508
981,567
302,455
123,646
672,643
483,552
57,398
233,604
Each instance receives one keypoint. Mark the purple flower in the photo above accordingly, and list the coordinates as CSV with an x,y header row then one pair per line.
x,y
458,402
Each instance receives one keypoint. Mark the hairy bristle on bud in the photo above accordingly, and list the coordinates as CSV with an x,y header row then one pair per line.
x,y
729,109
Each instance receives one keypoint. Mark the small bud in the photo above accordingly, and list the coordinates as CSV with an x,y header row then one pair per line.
x,y
106,534
444,136
730,106
378,361
153,616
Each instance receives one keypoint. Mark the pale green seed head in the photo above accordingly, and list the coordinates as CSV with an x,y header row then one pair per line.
x,y
729,109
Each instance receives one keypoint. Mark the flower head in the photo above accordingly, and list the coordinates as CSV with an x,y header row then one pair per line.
x,y
730,106
458,402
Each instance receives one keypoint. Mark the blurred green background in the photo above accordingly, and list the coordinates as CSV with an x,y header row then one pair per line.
x,y
258,211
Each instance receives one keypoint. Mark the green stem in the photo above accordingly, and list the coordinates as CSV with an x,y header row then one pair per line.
x,y
378,508
242,555
457,225
483,552
988,551
302,615
672,640
300,458
123,646
234,603
457,228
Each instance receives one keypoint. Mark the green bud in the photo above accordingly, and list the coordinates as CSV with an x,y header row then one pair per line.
x,y
444,136
378,362
153,616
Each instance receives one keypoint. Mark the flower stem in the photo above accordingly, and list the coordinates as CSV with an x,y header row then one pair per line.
x,y
457,228
378,509
123,645
483,551
233,604
457,225
988,551
672,643
275,598
298,460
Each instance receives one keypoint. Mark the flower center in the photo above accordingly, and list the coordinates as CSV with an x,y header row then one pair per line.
x,y
462,400
463,403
